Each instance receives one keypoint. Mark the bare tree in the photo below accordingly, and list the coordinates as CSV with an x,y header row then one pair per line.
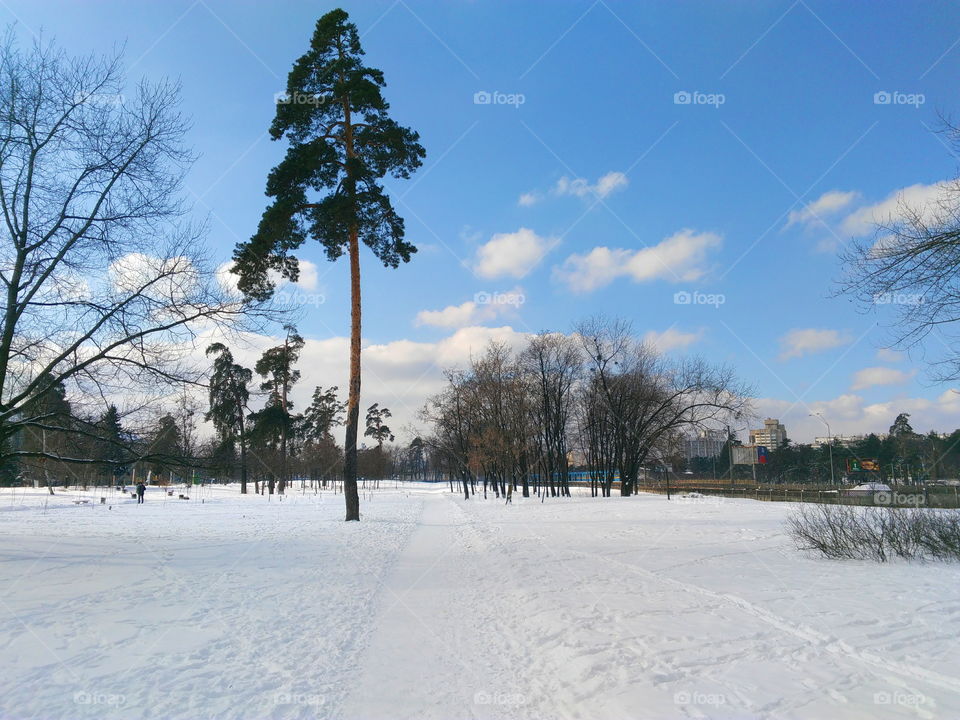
x,y
509,419
102,284
909,267
553,363
644,397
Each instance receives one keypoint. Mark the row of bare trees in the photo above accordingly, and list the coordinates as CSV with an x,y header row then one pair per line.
x,y
598,399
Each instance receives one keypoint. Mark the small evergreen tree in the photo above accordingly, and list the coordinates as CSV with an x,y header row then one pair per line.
x,y
229,394
276,366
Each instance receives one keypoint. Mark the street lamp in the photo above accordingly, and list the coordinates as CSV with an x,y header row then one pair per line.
x,y
830,441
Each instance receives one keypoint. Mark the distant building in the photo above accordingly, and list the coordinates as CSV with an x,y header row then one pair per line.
x,y
705,444
843,440
771,435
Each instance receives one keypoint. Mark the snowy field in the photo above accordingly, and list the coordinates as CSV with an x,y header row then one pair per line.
x,y
434,607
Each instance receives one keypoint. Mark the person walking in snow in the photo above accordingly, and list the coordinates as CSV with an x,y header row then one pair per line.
x,y
509,494
141,489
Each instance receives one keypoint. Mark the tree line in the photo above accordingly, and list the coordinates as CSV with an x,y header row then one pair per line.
x,y
903,456
599,400
270,444
273,443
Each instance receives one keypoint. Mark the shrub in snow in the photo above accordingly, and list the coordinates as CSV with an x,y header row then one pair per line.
x,y
838,531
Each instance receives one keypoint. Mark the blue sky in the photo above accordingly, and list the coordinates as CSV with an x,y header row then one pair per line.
x,y
588,184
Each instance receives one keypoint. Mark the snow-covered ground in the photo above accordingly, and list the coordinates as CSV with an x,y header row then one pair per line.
x,y
434,607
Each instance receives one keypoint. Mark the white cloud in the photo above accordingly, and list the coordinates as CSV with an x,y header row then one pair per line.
x,y
308,280
451,316
922,199
228,280
308,275
827,204
671,339
173,278
873,376
512,254
473,312
890,356
807,341
581,187
610,182
679,258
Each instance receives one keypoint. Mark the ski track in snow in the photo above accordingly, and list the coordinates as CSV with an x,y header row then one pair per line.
x,y
436,607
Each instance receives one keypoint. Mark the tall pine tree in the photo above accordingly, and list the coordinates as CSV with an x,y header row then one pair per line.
x,y
342,143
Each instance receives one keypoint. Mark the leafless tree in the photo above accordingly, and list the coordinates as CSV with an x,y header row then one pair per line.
x,y
103,287
553,364
513,418
644,397
909,268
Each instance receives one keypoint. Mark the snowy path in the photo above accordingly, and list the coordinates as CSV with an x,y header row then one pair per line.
x,y
517,612
436,607
439,645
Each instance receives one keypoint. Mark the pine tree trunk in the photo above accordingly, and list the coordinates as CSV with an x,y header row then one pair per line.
x,y
243,467
350,494
283,430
